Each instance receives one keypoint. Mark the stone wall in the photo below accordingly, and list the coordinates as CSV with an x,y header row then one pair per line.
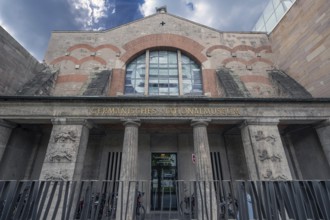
x,y
17,66
25,152
301,45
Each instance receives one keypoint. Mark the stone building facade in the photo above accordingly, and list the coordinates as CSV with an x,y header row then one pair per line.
x,y
164,98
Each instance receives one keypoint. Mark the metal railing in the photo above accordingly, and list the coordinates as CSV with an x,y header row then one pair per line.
x,y
171,200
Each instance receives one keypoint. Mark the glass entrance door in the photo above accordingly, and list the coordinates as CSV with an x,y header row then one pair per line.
x,y
163,176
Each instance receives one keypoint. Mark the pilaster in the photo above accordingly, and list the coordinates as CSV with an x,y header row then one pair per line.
x,y
66,149
264,151
323,132
5,132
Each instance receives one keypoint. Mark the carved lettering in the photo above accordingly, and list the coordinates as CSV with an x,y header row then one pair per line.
x,y
164,111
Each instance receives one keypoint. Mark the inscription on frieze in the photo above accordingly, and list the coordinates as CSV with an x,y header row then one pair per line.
x,y
164,111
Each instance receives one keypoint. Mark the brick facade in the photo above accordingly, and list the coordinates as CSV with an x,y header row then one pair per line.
x,y
249,56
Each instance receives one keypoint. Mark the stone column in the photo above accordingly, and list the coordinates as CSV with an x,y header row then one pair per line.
x,y
206,201
323,131
264,152
5,132
66,150
128,172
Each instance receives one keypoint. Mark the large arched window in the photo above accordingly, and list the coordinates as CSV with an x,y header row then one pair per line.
x,y
163,73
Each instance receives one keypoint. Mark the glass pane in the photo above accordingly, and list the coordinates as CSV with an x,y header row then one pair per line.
x,y
270,24
172,57
141,59
276,3
197,87
279,12
163,57
173,73
153,57
185,60
153,72
163,72
174,91
186,88
197,74
268,10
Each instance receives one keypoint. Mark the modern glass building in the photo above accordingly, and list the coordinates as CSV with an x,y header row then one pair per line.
x,y
272,15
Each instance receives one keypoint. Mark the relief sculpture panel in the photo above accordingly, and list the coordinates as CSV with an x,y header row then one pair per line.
x,y
57,175
64,148
269,153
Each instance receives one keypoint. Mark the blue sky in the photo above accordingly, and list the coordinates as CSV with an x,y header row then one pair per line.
x,y
30,22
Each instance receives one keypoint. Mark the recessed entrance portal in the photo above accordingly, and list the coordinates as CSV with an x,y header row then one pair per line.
x,y
163,176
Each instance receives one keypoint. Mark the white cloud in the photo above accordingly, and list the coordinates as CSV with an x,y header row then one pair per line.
x,y
88,13
239,15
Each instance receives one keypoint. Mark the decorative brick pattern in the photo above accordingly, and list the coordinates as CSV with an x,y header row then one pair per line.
x,y
247,62
72,78
266,49
94,49
79,62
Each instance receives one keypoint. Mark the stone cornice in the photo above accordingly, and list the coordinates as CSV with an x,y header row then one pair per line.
x,y
72,121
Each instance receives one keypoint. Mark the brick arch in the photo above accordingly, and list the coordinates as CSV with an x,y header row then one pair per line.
x,y
265,48
185,44
93,49
246,62
79,62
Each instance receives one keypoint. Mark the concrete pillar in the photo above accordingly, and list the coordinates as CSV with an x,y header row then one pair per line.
x,y
66,150
5,132
323,132
264,152
128,172
206,201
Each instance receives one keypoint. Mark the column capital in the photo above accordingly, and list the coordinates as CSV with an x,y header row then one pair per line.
x,y
7,124
324,123
131,122
200,122
72,121
260,121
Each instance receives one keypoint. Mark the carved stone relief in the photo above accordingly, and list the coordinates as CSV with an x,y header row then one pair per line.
x,y
264,155
65,137
56,176
64,148
261,137
269,176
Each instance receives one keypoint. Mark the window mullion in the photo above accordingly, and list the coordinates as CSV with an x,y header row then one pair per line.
x,y
180,73
146,80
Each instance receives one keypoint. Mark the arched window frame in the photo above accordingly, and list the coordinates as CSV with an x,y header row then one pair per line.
x,y
184,83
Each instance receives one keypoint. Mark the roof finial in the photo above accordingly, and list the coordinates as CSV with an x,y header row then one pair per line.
x,y
161,9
